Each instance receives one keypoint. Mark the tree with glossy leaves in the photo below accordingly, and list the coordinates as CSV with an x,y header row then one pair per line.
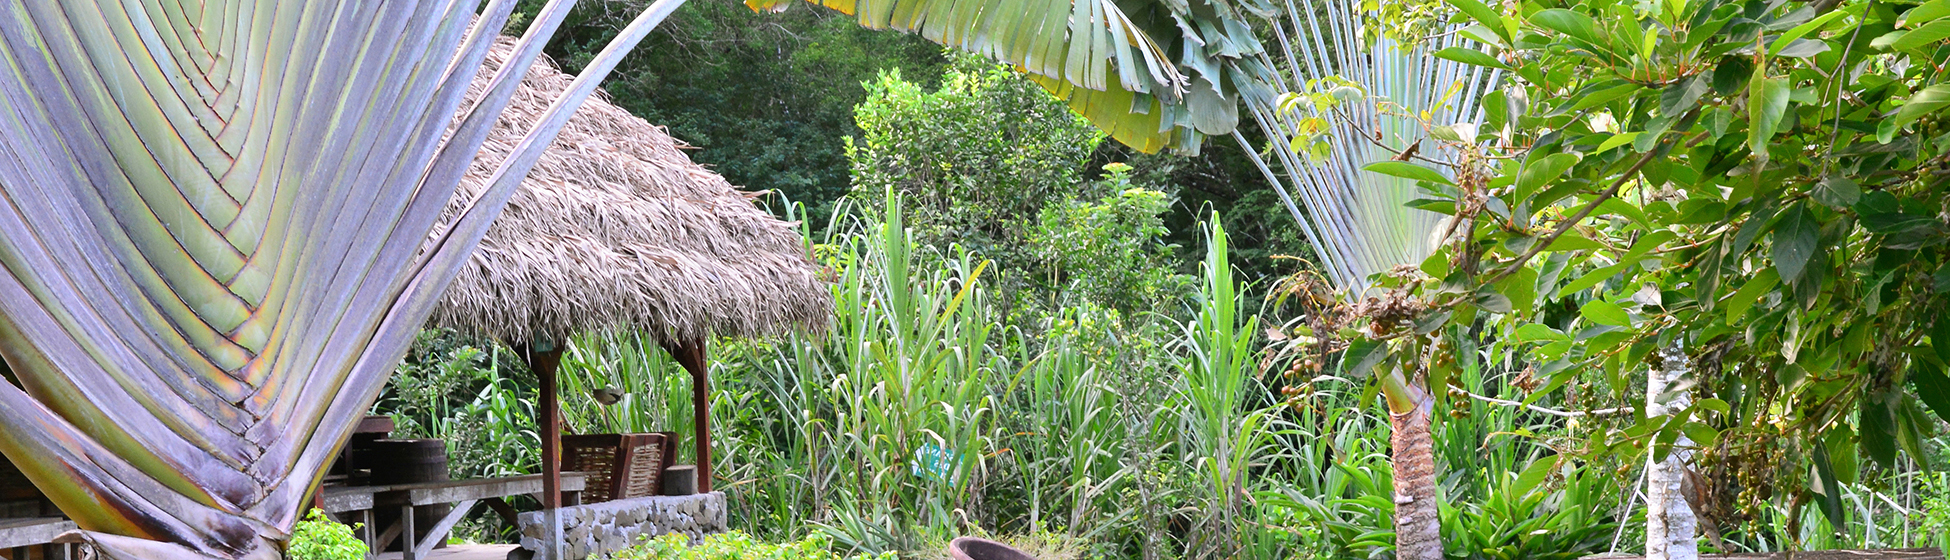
x,y
1743,201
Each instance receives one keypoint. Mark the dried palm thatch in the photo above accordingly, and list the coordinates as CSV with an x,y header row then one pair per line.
x,y
616,229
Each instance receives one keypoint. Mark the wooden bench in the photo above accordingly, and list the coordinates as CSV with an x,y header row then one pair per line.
x,y
18,534
463,493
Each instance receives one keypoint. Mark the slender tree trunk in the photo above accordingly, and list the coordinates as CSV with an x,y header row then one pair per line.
x,y
1671,530
1418,520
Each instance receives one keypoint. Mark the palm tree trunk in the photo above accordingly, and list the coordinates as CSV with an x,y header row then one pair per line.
x,y
1418,521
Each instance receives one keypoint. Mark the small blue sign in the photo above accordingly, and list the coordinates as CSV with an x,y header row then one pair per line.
x,y
935,463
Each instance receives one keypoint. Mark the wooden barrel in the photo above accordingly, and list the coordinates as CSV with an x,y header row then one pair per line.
x,y
372,428
407,461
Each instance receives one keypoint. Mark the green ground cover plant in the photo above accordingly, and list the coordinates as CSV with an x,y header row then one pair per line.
x,y
317,537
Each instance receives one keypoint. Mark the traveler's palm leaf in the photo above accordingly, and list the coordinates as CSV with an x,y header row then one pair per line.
x,y
1358,221
215,235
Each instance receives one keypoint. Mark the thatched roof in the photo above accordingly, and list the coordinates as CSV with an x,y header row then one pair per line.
x,y
616,229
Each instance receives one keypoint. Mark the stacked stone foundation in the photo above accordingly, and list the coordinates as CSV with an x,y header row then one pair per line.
x,y
597,530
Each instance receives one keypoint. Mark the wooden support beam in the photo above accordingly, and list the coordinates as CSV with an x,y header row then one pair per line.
x,y
694,357
31,532
439,533
545,358
408,543
507,512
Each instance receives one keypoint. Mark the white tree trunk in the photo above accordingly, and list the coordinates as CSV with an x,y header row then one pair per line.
x,y
1671,530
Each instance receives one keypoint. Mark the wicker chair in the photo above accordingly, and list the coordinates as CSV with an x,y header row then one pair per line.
x,y
619,466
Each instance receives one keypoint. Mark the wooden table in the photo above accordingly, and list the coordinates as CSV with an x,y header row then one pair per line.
x,y
463,493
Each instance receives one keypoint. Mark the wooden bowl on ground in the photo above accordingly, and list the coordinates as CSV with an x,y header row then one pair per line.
x,y
971,548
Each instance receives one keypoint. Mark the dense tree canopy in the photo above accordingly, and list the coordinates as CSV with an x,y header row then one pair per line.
x,y
765,97
1760,186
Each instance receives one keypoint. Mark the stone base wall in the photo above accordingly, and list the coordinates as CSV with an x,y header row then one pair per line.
x,y
596,530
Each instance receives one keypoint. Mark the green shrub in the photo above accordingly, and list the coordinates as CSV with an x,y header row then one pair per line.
x,y
736,546
320,538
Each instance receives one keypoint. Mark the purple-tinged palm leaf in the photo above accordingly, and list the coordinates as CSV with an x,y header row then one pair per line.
x,y
215,234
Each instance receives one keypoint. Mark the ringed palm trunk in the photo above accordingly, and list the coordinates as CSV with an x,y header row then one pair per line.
x,y
1418,515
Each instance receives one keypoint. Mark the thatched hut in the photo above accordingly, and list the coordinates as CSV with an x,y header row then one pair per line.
x,y
616,229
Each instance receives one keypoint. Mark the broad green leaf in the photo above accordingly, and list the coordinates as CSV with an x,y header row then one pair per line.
x,y
1614,141
1601,97
1533,332
1470,56
1534,476
1593,278
1888,39
1940,336
1825,486
1715,405
1437,265
1491,301
1569,23
1647,244
1632,256
1701,433
1572,241
1803,48
1929,100
1876,425
1542,171
1361,356
1750,293
1795,238
1932,387
1928,12
1408,171
1802,30
1840,440
1484,15
1520,287
1767,101
1837,191
1681,96
1929,34
1605,313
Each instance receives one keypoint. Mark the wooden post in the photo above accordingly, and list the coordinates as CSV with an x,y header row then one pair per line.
x,y
693,356
544,358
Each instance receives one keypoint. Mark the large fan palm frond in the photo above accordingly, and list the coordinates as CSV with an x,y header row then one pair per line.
x,y
1357,220
1154,74
216,245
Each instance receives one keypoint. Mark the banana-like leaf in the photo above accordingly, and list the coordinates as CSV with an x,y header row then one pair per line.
x,y
216,246
1154,73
